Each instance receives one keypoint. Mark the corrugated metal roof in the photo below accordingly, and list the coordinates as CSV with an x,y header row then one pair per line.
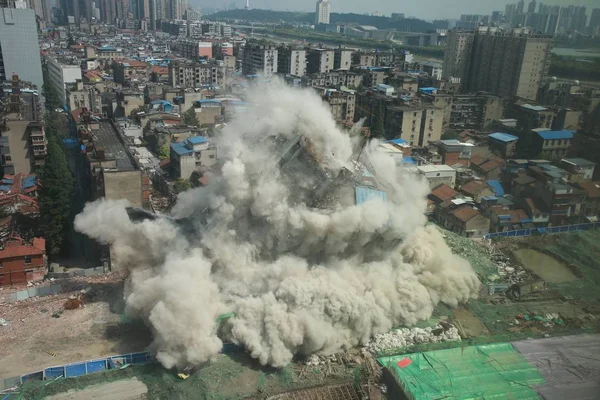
x,y
364,194
181,149
197,140
556,135
495,371
533,108
503,137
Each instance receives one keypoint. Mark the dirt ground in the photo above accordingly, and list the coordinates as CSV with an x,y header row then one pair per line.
x,y
34,339
469,324
129,389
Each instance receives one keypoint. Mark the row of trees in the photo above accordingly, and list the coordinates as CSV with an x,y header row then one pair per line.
x,y
56,194
572,68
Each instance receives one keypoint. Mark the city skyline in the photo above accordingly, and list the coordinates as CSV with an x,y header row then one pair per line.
x,y
425,9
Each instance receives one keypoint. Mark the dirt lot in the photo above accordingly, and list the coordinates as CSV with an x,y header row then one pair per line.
x,y
469,324
34,339
129,389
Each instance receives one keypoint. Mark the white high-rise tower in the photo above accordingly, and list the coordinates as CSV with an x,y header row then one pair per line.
x,y
247,4
323,12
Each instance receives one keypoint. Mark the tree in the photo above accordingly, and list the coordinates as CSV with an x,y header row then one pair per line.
x,y
51,96
163,152
448,135
71,41
181,185
379,128
57,125
56,196
190,119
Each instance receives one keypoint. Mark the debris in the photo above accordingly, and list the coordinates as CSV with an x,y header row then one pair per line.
x,y
3,322
73,303
53,354
405,337
183,376
57,314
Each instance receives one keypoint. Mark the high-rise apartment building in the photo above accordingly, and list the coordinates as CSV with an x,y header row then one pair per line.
x,y
532,7
291,61
323,12
594,27
320,60
457,56
508,63
260,59
19,47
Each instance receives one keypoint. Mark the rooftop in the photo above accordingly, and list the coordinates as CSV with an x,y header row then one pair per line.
x,y
443,192
556,135
364,194
503,137
579,162
108,138
533,108
197,140
465,213
181,149
475,372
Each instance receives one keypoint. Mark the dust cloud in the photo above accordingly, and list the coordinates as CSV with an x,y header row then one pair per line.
x,y
279,240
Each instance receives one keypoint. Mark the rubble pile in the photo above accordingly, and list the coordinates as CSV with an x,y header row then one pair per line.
x,y
507,271
405,337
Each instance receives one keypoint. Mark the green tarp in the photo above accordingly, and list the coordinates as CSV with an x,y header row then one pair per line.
x,y
495,371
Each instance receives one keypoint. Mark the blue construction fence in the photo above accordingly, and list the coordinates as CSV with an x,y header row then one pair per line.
x,y
90,367
541,231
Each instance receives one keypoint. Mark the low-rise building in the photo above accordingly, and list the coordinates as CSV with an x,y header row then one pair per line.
x,y
503,144
551,145
260,58
319,60
438,174
342,59
22,262
192,74
342,104
291,61
455,152
333,79
129,70
193,153
465,220
579,169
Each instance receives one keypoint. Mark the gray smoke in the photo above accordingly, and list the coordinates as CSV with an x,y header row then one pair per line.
x,y
282,244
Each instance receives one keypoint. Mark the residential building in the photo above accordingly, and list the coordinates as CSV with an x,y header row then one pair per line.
x,y
591,205
208,111
432,69
579,169
61,75
23,143
22,262
323,12
455,152
113,172
487,167
342,59
192,74
109,53
503,144
551,145
465,220
19,46
319,60
533,116
333,79
193,153
342,104
291,61
364,59
509,63
129,70
260,58
466,111
194,49
438,175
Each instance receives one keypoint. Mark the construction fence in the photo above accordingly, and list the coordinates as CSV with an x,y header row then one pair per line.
x,y
541,231
76,369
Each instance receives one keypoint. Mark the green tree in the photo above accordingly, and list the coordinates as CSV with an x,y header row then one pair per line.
x,y
448,135
72,41
56,196
57,125
163,152
190,119
181,185
51,96
378,130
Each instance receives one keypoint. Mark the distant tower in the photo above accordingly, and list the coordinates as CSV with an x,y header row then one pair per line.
x,y
247,4
323,12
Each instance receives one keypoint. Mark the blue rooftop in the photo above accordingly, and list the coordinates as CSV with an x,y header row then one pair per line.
x,y
503,137
556,135
398,141
409,160
30,181
428,89
197,140
496,187
181,149
364,194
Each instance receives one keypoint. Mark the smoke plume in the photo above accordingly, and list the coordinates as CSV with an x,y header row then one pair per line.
x,y
280,241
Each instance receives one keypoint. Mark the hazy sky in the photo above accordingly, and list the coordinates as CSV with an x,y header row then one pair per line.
x,y
425,9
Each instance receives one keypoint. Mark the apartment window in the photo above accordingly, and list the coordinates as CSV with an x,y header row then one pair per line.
x,y
27,260
7,158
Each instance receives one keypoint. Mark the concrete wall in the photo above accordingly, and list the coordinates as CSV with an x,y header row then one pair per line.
x,y
124,185
18,142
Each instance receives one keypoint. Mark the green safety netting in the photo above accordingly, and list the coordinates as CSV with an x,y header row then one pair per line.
x,y
494,371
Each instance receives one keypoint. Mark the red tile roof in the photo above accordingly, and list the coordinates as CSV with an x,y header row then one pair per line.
x,y
592,189
160,70
490,165
18,248
473,188
465,213
516,216
132,63
443,193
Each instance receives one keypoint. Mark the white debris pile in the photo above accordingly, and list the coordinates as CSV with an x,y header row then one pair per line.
x,y
405,337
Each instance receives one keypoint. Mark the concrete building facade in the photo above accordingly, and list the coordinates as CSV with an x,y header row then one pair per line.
x,y
323,12
192,75
260,59
291,61
62,75
320,61
191,154
19,47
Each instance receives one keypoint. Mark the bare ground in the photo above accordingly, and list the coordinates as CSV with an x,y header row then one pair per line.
x,y
129,389
469,324
34,339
